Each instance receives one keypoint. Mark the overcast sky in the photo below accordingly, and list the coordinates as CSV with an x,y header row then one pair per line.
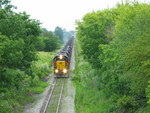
x,y
61,13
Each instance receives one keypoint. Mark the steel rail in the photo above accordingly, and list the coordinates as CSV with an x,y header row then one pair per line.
x,y
50,96
60,97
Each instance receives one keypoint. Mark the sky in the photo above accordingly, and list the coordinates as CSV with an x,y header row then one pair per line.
x,y
62,13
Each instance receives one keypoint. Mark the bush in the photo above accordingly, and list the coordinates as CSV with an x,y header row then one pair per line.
x,y
5,107
127,103
15,79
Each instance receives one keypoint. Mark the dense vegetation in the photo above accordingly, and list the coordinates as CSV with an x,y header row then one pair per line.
x,y
47,41
116,46
22,68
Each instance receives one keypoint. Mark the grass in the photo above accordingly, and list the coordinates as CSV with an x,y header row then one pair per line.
x,y
39,89
45,57
42,67
44,84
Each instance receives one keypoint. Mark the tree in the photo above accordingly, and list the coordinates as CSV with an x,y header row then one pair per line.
x,y
60,33
20,30
119,40
91,32
48,41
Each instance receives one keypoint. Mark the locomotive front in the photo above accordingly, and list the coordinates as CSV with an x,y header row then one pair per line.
x,y
61,65
62,60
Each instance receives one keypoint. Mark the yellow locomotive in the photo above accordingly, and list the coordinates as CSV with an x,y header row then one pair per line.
x,y
61,65
61,61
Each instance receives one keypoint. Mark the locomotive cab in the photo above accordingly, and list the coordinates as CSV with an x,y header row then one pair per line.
x,y
61,65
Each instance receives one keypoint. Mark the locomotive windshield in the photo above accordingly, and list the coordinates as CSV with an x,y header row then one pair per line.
x,y
61,58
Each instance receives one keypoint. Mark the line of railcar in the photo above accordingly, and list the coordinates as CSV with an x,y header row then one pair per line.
x,y
62,59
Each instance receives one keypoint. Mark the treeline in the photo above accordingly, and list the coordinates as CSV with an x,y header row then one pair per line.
x,y
116,42
20,39
48,41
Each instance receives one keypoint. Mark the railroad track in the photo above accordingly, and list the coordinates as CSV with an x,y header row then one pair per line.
x,y
55,96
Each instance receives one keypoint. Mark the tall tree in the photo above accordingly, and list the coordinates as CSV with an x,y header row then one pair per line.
x,y
19,30
60,33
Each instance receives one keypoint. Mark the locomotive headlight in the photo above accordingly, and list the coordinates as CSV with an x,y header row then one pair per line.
x,y
56,70
65,71
60,57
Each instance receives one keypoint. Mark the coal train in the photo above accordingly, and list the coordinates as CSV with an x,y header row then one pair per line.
x,y
61,61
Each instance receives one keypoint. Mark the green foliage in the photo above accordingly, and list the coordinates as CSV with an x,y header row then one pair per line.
x,y
40,44
118,39
137,60
21,33
47,44
9,102
3,40
15,79
127,103
12,53
37,90
88,98
18,86
40,87
59,32
47,41
92,32
5,107
42,67
40,70
51,44
18,71
148,92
